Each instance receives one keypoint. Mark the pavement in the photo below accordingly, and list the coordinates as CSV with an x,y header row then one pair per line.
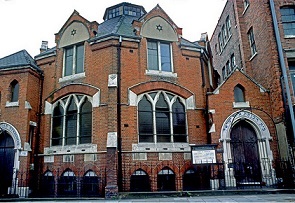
x,y
207,198
272,195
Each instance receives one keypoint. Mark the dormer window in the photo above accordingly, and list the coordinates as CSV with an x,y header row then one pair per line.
x,y
159,56
74,60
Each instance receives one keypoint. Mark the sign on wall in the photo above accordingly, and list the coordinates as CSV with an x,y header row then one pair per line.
x,y
203,154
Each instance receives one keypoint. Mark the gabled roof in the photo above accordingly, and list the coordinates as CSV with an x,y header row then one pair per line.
x,y
18,59
162,10
69,19
243,73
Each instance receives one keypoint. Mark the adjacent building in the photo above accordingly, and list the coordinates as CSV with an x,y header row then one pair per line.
x,y
256,37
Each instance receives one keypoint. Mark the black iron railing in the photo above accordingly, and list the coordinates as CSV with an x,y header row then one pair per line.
x,y
150,176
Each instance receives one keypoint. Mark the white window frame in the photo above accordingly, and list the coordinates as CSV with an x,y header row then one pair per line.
x,y
252,43
65,106
160,71
286,22
170,103
246,5
74,75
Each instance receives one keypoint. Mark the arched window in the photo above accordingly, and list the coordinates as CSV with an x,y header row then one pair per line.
x,y
139,181
161,118
67,184
239,93
90,184
47,188
190,180
179,122
145,121
14,90
166,180
57,125
85,122
72,121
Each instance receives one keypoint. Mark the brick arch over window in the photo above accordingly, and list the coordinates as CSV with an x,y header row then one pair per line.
x,y
71,89
161,85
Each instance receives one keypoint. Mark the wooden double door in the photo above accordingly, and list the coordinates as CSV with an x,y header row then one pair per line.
x,y
245,153
7,153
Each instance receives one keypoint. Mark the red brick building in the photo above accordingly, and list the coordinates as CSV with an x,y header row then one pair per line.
x,y
130,105
20,91
256,38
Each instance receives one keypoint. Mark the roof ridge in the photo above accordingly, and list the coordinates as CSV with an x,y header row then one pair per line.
x,y
118,25
27,57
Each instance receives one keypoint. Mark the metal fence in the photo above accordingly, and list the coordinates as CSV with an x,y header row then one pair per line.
x,y
70,184
182,176
154,176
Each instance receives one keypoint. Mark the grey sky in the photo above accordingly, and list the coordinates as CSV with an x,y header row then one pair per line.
x,y
25,23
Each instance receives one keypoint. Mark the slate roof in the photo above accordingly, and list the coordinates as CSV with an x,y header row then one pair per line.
x,y
121,25
47,52
187,43
18,59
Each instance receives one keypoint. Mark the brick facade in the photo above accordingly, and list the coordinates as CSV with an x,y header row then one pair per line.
x,y
117,77
257,16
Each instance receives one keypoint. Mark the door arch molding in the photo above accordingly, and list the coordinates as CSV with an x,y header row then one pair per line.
x,y
12,131
263,137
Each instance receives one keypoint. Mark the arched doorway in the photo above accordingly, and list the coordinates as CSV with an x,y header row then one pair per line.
x,y
7,155
245,153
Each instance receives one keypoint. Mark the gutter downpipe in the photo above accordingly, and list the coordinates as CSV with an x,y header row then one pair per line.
x,y
120,175
282,63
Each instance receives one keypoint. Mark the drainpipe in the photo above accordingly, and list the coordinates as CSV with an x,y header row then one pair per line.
x,y
119,116
282,63
38,134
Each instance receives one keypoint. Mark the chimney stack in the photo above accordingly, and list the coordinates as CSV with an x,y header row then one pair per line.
x,y
44,46
204,36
